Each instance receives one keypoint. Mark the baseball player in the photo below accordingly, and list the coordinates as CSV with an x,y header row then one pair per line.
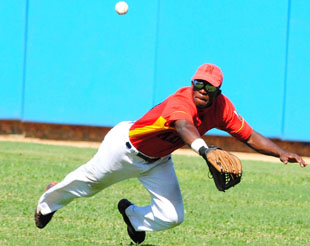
x,y
142,149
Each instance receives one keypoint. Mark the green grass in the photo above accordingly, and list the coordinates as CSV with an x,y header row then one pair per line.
x,y
269,207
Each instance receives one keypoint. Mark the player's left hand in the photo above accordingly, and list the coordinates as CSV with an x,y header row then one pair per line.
x,y
287,157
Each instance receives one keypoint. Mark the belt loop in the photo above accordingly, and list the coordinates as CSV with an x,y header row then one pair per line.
x,y
141,155
128,145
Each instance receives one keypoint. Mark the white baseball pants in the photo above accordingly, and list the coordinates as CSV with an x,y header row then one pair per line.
x,y
114,162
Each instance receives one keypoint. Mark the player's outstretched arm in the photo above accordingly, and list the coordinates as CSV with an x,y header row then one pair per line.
x,y
190,135
265,146
187,131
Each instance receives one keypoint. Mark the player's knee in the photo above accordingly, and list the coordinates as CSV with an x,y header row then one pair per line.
x,y
179,219
174,219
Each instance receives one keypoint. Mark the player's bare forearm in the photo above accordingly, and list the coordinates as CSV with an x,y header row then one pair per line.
x,y
265,146
187,131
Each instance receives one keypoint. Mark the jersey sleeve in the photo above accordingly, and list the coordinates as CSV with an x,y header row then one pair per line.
x,y
178,109
234,123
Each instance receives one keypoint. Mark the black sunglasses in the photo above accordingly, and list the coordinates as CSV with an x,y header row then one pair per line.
x,y
203,85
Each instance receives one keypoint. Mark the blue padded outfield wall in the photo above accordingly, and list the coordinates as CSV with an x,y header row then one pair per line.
x,y
78,62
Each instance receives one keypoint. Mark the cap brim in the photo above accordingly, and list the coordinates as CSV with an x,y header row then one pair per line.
x,y
207,78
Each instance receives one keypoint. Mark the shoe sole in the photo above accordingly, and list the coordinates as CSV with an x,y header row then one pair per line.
x,y
136,236
49,216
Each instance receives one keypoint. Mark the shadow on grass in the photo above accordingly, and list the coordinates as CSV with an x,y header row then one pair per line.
x,y
131,244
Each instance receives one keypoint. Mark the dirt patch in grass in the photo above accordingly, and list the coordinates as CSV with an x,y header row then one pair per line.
x,y
89,144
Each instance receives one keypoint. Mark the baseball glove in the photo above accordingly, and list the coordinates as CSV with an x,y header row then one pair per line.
x,y
225,168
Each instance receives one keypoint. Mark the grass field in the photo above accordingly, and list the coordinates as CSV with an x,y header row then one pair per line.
x,y
269,207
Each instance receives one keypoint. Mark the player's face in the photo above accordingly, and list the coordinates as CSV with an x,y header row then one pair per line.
x,y
203,93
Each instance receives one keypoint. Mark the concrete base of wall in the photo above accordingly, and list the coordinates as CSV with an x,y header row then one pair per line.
x,y
96,134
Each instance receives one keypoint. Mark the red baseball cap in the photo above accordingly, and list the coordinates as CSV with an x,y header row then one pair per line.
x,y
210,73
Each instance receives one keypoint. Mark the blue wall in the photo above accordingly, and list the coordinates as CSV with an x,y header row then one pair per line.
x,y
78,62
12,44
297,93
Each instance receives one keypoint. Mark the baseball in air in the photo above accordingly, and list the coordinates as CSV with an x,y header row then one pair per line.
x,y
121,8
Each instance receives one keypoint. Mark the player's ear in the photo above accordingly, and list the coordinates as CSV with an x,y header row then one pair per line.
x,y
219,92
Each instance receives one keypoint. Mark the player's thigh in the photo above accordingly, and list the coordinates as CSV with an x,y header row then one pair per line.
x,y
162,183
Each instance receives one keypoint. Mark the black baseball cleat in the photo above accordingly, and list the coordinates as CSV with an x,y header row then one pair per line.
x,y
40,219
136,236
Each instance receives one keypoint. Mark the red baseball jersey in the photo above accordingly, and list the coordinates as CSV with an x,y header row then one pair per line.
x,y
155,135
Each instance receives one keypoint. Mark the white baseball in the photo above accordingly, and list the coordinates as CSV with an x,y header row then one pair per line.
x,y
121,8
